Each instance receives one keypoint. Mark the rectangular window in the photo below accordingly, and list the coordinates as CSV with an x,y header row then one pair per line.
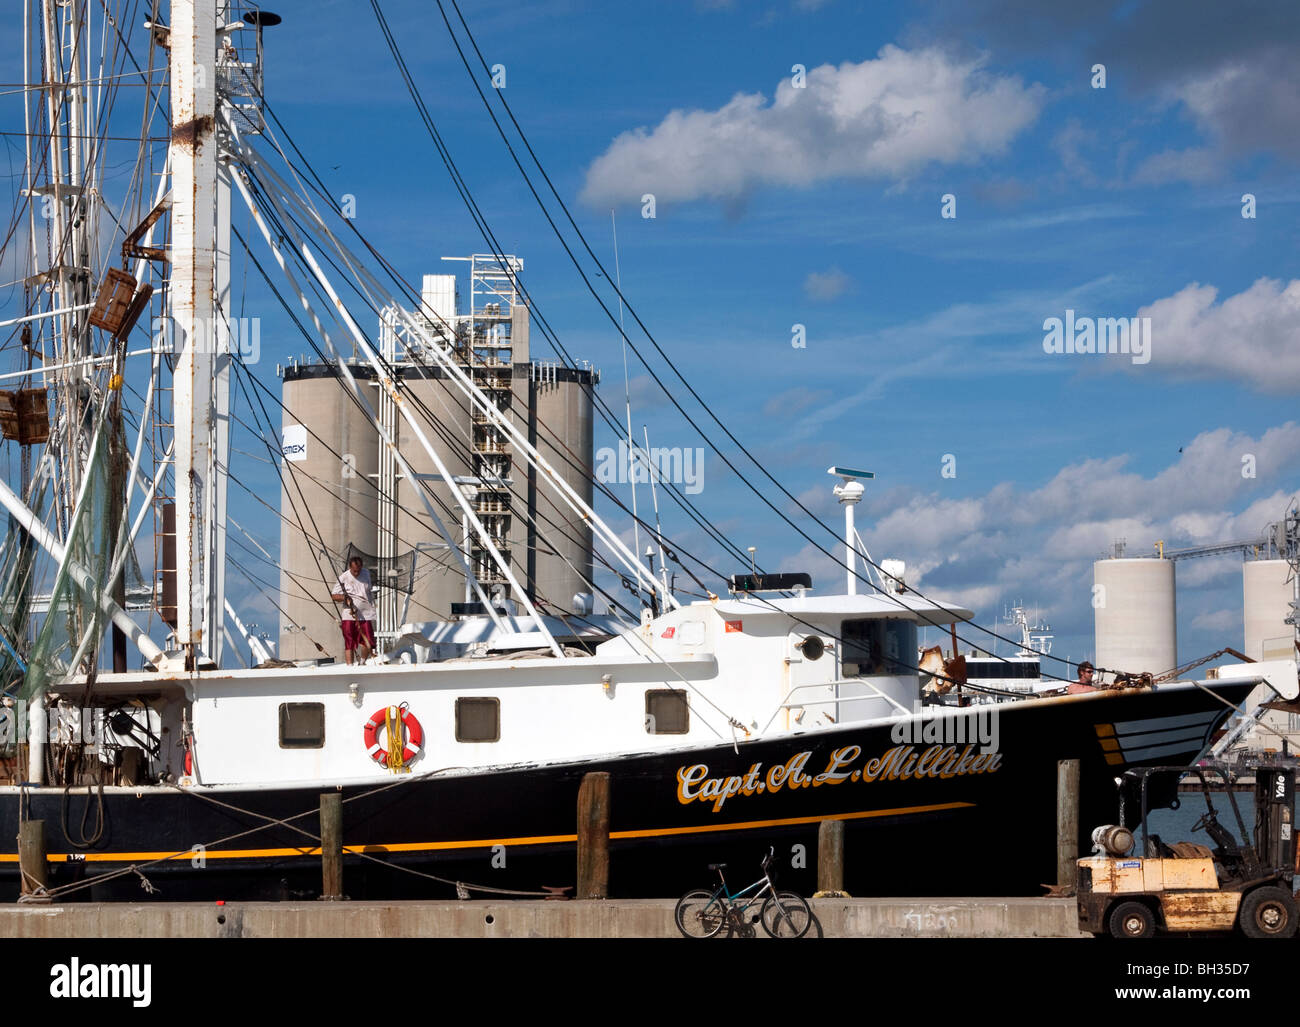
x,y
667,712
302,725
478,720
879,646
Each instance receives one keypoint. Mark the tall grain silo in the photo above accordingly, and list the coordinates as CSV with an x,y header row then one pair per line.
x,y
1135,615
347,488
329,498
438,578
553,404
1267,591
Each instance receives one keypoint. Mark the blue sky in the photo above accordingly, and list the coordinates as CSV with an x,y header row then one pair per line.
x,y
821,206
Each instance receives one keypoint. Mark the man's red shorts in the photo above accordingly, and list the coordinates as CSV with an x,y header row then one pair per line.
x,y
355,631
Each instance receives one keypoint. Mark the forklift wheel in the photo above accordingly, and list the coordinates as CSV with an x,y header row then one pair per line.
x,y
1268,912
1132,920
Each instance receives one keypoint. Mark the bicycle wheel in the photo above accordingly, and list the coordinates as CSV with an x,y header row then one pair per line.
x,y
786,915
699,914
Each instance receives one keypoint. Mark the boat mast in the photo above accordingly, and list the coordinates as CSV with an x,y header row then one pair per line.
x,y
193,157
849,493
69,171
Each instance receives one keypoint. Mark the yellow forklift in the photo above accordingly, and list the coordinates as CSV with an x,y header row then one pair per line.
x,y
1188,886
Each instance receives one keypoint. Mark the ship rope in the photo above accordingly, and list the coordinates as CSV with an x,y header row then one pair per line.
x,y
40,893
422,110
287,194
396,743
290,227
433,420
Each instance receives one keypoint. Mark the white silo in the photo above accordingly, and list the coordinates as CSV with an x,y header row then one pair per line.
x,y
1266,588
328,499
1135,615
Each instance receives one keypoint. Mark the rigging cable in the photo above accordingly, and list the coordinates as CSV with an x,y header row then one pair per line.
x,y
423,110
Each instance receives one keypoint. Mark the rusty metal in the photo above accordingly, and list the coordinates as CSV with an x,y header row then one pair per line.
x,y
1122,680
1200,910
191,134
131,248
1170,675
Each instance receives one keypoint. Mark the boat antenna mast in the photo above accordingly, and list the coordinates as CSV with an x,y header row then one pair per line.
x,y
849,493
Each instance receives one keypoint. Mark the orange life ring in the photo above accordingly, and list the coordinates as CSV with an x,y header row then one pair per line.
x,y
412,744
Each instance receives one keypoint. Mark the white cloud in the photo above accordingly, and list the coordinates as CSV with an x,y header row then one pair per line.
x,y
1219,621
1251,336
1039,544
792,402
1195,164
1070,143
881,118
1240,107
826,285
1248,104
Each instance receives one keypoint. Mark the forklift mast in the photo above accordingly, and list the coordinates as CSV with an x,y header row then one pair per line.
x,y
1274,830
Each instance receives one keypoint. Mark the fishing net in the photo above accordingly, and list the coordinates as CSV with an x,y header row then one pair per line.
x,y
18,562
70,635
397,572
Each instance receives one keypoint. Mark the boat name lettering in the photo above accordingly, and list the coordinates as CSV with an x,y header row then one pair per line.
x,y
897,764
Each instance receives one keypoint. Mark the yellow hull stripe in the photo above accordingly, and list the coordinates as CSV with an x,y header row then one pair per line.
x,y
481,843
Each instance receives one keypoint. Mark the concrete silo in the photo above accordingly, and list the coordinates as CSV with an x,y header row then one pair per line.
x,y
1136,615
553,406
345,487
438,578
329,498
1267,590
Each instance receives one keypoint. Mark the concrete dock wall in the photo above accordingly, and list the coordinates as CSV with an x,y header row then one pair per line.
x,y
648,918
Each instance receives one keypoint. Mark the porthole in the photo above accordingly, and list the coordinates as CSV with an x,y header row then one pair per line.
x,y
812,647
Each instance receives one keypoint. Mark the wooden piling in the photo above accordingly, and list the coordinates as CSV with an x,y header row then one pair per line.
x,y
593,836
1067,823
830,858
331,845
31,856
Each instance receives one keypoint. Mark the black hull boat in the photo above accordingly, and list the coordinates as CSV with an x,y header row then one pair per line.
x,y
925,813
727,723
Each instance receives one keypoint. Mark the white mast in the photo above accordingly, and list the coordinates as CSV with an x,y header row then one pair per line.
x,y
193,156
215,505
849,493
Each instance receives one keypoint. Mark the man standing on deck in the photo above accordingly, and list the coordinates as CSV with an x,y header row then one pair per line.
x,y
354,590
1084,684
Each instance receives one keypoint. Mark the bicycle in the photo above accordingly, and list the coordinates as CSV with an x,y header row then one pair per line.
x,y
703,914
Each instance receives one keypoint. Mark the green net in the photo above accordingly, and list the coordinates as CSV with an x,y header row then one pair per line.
x,y
18,563
70,635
